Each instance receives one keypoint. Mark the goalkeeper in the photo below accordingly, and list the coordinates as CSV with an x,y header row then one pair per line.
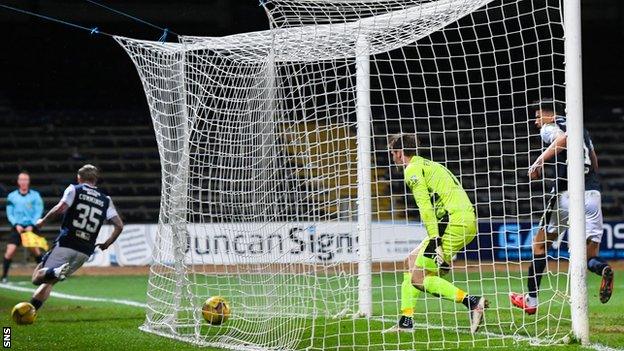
x,y
449,217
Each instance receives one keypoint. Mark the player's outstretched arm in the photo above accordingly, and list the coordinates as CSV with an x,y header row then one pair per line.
x,y
54,212
118,228
558,145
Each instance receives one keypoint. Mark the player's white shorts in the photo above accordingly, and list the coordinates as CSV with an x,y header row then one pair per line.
x,y
556,215
61,255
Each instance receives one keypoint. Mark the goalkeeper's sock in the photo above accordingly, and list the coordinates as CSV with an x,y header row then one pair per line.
x,y
409,295
5,267
441,287
535,274
36,303
596,265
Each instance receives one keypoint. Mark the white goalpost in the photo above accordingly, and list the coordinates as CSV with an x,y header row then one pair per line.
x,y
279,193
364,208
576,181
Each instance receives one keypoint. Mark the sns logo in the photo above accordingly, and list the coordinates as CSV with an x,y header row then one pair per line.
x,y
6,337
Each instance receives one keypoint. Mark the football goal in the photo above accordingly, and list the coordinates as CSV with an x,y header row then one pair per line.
x,y
279,193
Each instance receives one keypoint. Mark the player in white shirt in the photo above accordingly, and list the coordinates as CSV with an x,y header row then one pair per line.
x,y
555,219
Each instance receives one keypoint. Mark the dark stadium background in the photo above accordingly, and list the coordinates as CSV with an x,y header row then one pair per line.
x,y
47,65
56,81
68,97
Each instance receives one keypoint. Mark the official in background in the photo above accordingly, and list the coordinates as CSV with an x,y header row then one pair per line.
x,y
24,208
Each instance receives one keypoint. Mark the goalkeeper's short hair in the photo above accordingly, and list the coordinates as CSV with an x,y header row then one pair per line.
x,y
408,143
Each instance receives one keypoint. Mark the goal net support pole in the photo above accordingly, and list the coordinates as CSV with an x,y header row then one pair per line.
x,y
364,216
576,181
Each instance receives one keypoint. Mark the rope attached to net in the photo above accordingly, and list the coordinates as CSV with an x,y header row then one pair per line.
x,y
165,31
93,30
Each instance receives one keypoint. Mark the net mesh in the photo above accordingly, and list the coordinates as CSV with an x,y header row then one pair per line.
x,y
258,139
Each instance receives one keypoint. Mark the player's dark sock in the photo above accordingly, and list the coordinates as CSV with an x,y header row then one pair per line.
x,y
5,267
535,274
596,265
470,301
49,274
36,303
38,259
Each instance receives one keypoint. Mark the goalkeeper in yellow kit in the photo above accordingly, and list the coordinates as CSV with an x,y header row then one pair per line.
x,y
449,217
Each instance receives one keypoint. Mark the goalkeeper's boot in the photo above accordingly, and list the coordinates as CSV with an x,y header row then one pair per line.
x,y
406,324
478,304
520,301
61,272
606,285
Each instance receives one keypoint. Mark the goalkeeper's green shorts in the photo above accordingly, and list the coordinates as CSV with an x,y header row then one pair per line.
x,y
459,232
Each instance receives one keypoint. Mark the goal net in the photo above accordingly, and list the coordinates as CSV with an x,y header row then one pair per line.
x,y
279,193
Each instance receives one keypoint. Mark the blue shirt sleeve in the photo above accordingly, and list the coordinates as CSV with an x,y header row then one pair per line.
x,y
10,210
38,208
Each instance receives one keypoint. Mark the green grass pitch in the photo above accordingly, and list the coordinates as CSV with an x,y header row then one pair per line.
x,y
65,324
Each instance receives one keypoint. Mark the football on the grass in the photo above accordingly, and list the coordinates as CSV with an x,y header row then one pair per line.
x,y
24,313
216,310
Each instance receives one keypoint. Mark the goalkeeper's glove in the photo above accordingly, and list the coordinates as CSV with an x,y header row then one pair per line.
x,y
435,251
439,258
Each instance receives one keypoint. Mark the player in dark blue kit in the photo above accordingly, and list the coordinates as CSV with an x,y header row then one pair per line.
x,y
84,208
550,120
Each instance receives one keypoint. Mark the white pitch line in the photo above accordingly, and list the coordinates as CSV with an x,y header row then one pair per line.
x,y
600,347
22,283
594,346
531,340
76,297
